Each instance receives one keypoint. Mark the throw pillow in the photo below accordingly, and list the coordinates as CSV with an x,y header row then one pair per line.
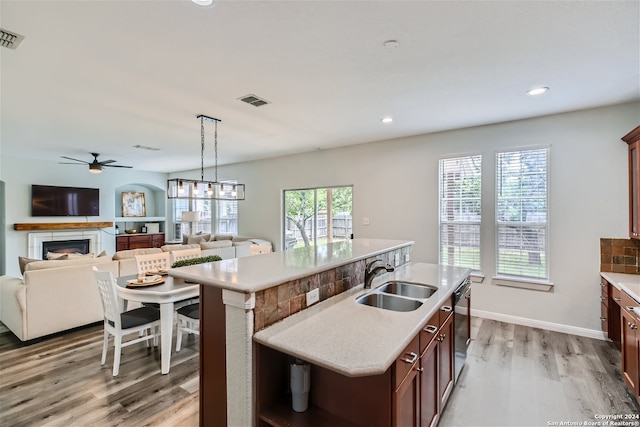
x,y
223,237
23,261
56,255
75,256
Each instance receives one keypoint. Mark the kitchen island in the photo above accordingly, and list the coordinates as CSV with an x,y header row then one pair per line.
x,y
257,303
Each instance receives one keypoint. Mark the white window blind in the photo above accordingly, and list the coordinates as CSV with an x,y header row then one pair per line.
x,y
521,213
460,211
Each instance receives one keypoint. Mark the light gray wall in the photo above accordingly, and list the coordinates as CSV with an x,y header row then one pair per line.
x,y
395,185
18,175
3,237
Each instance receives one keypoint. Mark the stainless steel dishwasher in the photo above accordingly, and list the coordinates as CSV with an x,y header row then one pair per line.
x,y
461,324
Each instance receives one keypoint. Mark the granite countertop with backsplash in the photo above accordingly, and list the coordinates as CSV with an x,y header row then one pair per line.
x,y
255,273
357,340
630,283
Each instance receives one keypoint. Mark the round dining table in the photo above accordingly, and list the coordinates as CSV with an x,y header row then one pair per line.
x,y
165,294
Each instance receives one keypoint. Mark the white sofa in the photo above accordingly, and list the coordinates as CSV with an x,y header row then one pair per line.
x,y
52,296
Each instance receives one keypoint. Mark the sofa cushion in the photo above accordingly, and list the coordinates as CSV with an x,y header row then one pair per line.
x,y
23,261
171,248
130,253
56,263
243,243
216,244
223,237
198,238
76,256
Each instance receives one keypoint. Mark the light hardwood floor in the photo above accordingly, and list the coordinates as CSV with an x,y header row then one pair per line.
x,y
515,376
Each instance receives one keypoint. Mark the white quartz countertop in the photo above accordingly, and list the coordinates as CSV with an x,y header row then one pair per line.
x,y
630,283
357,340
258,272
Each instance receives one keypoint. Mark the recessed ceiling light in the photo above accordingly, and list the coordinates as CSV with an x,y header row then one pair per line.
x,y
203,3
537,91
387,119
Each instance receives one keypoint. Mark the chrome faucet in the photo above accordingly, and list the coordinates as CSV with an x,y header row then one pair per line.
x,y
371,270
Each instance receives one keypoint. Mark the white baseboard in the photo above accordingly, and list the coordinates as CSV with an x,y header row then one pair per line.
x,y
556,327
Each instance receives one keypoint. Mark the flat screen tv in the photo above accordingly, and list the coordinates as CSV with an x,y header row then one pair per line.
x,y
47,200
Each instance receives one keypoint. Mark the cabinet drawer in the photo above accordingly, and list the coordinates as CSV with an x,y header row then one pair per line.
x,y
429,331
446,310
406,361
627,301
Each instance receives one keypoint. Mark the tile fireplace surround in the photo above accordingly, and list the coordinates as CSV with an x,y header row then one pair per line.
x,y
36,240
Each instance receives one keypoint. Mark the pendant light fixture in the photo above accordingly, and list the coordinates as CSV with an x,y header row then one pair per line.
x,y
182,188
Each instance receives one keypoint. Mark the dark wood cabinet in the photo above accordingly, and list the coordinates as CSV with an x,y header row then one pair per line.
x,y
406,396
445,361
139,241
411,393
633,139
610,312
630,343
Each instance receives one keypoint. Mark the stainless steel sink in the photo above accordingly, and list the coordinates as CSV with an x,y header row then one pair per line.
x,y
408,289
389,302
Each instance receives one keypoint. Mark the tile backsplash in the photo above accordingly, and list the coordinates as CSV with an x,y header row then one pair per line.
x,y
620,256
288,298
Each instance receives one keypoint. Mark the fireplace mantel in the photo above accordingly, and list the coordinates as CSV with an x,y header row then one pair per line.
x,y
60,225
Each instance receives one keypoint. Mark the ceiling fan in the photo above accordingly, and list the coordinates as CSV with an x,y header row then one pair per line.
x,y
95,166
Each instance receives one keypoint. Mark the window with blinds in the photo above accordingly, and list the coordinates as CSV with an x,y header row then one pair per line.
x,y
216,216
521,213
459,213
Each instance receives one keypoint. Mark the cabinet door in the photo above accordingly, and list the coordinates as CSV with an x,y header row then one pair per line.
x,y
122,243
158,240
445,360
634,199
406,401
630,370
429,396
139,241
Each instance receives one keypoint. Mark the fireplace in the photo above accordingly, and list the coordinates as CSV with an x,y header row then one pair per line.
x,y
64,241
65,247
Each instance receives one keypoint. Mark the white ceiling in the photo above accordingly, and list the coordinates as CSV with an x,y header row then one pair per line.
x,y
102,76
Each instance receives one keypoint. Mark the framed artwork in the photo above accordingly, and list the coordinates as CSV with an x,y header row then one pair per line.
x,y
133,204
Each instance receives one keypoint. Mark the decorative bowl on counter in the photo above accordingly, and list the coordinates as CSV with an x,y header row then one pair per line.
x,y
131,231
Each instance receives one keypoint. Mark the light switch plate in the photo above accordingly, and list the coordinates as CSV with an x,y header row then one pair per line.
x,y
313,297
365,221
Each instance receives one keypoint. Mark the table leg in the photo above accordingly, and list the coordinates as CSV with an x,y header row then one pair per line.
x,y
166,332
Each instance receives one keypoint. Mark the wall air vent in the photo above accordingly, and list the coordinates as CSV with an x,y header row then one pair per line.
x,y
9,39
254,100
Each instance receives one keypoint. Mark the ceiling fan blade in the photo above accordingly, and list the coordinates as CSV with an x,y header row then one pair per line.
x,y
117,166
76,160
107,161
69,163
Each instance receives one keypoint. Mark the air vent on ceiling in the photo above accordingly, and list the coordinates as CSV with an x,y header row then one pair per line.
x,y
254,100
9,39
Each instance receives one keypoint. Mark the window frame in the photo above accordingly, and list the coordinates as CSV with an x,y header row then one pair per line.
x,y
476,265
511,279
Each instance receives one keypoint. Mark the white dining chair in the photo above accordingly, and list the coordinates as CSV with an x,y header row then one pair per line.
x,y
153,262
188,322
185,254
139,320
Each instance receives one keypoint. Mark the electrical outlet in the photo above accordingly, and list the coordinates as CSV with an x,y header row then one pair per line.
x,y
396,260
407,258
313,296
